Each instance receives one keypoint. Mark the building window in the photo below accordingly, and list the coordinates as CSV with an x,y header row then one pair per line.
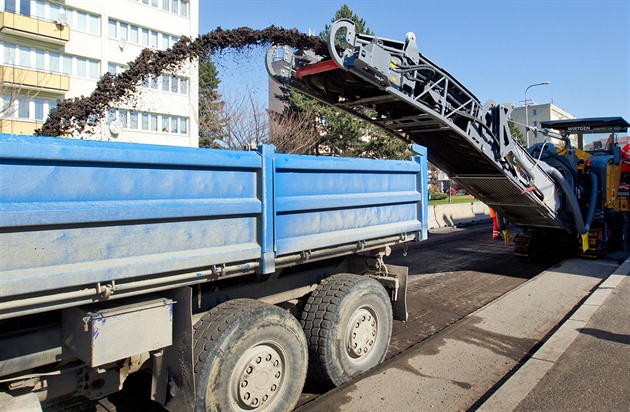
x,y
134,34
154,122
145,37
174,83
54,11
25,7
10,6
535,112
93,69
9,54
154,40
122,117
24,56
174,124
81,67
81,21
133,120
40,58
39,109
111,28
67,65
183,127
122,31
40,9
53,62
94,25
6,108
23,108
145,121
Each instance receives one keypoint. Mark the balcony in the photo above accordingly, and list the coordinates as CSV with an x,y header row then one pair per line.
x,y
32,28
33,79
14,126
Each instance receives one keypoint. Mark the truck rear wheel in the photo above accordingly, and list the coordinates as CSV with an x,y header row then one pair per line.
x,y
348,324
249,356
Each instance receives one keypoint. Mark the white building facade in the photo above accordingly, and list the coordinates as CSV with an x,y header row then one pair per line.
x,y
52,50
537,113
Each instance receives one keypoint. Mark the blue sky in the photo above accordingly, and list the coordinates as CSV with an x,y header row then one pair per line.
x,y
495,48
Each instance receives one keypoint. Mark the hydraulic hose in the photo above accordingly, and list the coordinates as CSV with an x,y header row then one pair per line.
x,y
554,155
581,226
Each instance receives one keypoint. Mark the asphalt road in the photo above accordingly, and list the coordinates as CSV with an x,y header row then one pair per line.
x,y
452,274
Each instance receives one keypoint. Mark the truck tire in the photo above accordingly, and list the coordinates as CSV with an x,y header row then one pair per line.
x,y
348,324
248,356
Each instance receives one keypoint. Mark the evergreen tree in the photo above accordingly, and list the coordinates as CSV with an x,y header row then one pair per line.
x,y
516,133
210,104
343,134
346,13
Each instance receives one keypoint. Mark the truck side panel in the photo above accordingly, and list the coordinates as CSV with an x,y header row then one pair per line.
x,y
73,215
323,201
76,214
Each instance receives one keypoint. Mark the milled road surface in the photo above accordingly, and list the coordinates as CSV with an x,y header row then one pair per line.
x,y
452,274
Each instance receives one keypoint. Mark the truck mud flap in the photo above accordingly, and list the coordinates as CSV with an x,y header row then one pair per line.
x,y
399,298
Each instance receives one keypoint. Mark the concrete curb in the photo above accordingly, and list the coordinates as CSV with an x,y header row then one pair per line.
x,y
457,214
519,385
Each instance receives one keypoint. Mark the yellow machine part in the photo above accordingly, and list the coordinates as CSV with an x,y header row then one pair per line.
x,y
613,176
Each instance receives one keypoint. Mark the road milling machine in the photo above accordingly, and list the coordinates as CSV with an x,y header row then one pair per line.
x,y
554,193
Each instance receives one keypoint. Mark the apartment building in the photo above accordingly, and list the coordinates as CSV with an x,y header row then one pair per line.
x,y
52,50
537,113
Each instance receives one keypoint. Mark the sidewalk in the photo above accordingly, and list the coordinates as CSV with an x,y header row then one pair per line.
x,y
585,365
459,367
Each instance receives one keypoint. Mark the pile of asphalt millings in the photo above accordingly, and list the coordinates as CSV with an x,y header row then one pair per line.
x,y
71,116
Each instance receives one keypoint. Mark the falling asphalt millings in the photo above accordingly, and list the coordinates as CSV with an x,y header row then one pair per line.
x,y
72,115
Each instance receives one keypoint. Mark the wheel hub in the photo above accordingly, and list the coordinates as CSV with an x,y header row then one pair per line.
x,y
261,372
362,333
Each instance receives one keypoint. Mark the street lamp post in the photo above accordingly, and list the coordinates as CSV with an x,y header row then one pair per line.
x,y
527,109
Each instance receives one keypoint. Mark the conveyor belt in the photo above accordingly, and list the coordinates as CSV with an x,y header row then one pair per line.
x,y
391,85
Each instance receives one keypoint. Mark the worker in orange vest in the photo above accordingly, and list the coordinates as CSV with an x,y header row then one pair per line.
x,y
495,226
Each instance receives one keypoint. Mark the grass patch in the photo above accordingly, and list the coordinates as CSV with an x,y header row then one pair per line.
x,y
454,199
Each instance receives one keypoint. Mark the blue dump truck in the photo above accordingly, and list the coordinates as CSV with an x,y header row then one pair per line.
x,y
225,275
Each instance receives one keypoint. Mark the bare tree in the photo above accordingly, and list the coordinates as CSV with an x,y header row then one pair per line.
x,y
246,122
13,93
293,132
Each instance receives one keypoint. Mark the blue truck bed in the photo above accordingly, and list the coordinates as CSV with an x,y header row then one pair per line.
x,y
75,214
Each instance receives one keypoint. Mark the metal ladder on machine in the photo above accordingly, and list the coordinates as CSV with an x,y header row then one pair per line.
x,y
389,84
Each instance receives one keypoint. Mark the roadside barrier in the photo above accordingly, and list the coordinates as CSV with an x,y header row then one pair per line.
x,y
457,214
